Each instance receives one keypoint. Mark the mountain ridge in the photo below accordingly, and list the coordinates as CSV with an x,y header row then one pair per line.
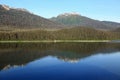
x,y
79,20
6,7
22,18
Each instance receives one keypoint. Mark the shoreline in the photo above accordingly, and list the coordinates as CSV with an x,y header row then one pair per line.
x,y
52,41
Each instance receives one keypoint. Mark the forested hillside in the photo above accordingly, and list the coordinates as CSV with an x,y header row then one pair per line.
x,y
21,18
20,24
73,19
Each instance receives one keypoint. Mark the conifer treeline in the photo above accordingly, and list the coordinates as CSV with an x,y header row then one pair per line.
x,y
78,33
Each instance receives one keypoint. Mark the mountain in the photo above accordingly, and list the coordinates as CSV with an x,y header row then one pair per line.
x,y
75,19
116,30
22,18
112,24
20,24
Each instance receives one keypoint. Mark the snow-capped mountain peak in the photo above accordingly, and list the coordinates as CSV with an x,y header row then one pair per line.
x,y
69,14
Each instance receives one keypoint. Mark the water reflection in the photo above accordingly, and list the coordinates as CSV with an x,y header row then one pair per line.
x,y
69,60
20,54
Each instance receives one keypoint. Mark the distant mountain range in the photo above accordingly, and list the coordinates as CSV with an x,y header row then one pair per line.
x,y
22,18
75,19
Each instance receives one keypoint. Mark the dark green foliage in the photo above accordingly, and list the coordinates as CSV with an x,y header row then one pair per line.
x,y
78,33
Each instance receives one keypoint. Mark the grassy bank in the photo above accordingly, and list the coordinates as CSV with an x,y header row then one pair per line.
x,y
52,41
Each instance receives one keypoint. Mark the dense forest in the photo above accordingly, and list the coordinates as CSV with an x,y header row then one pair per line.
x,y
78,33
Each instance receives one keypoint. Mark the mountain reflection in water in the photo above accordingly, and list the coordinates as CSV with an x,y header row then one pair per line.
x,y
60,57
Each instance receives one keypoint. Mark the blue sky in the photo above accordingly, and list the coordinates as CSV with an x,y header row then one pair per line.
x,y
97,9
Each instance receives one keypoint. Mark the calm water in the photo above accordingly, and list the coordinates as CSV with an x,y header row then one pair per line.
x,y
60,61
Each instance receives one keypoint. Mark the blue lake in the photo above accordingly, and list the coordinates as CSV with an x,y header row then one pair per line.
x,y
60,61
